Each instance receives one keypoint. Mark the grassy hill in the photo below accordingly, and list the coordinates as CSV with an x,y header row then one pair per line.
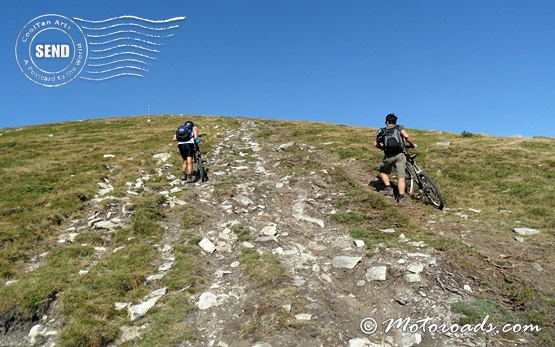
x,y
50,177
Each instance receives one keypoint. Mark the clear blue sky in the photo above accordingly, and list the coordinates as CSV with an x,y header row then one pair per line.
x,y
453,65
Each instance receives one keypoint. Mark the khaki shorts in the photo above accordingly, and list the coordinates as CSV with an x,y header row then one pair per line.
x,y
400,163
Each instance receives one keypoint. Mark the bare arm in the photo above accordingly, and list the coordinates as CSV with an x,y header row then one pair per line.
x,y
407,137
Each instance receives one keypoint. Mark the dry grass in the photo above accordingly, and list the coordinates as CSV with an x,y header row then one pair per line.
x,y
49,175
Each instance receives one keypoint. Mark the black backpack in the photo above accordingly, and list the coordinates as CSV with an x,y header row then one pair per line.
x,y
184,133
392,140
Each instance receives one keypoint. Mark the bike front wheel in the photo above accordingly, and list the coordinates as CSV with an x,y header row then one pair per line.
x,y
200,168
431,190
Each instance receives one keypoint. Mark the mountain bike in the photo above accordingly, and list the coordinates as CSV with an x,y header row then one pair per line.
x,y
420,184
200,170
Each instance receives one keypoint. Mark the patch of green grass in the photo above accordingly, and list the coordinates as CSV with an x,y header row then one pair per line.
x,y
191,217
474,312
348,217
88,303
264,269
225,187
373,237
168,328
185,271
243,234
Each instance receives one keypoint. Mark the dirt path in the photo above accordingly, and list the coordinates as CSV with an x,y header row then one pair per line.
x,y
316,303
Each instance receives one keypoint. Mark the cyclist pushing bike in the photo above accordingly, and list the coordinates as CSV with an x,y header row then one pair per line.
x,y
187,138
391,139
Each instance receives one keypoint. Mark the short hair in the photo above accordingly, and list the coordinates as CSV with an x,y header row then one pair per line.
x,y
391,118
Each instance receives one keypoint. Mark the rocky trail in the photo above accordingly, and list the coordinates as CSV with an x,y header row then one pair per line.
x,y
334,290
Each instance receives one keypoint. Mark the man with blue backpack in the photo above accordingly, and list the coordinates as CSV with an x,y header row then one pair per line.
x,y
186,137
391,139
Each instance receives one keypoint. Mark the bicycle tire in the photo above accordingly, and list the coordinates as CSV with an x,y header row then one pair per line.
x,y
410,183
200,168
431,190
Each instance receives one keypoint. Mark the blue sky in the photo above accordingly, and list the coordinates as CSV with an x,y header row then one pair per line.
x,y
476,66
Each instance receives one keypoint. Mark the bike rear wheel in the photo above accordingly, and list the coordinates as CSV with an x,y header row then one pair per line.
x,y
431,190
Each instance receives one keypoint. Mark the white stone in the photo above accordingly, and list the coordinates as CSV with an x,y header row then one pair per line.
x,y
361,342
165,266
410,339
526,231
121,305
285,146
207,300
157,293
207,245
415,268
129,333
345,262
360,243
162,156
138,311
266,239
156,277
269,230
36,332
303,316
377,273
412,278
105,224
247,244
243,200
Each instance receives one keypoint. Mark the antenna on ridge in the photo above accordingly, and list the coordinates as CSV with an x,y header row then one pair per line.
x,y
148,110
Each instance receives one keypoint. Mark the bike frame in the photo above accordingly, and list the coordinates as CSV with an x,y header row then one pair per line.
x,y
420,184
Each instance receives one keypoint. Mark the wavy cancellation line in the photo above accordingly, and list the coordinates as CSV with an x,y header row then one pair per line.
x,y
119,68
130,24
130,32
131,17
124,46
112,76
124,43
118,62
127,39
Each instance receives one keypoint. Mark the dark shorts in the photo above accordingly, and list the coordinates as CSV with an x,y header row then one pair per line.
x,y
186,150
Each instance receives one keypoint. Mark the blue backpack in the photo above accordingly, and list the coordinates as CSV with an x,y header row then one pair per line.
x,y
184,133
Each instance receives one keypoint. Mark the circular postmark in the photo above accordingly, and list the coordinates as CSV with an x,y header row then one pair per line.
x,y
51,50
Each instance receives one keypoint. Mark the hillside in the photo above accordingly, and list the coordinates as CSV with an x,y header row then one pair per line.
x,y
103,245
